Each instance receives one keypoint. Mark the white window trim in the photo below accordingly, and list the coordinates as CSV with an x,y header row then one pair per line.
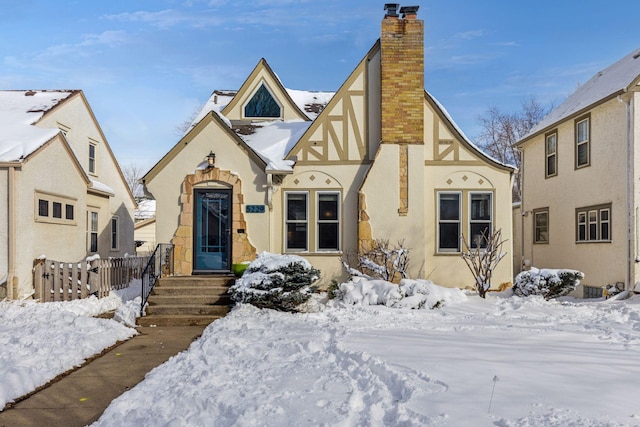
x,y
337,221
90,231
440,250
536,213
549,154
585,211
586,142
287,221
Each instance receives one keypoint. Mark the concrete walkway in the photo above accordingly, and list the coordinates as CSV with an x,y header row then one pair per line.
x,y
79,398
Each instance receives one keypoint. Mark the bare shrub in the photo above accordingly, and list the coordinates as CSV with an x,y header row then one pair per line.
x,y
483,261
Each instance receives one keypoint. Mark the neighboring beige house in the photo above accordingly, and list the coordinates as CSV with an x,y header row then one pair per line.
x,y
66,196
145,227
265,168
581,169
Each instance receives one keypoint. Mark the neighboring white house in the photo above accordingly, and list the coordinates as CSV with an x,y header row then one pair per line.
x,y
265,168
581,181
66,195
145,227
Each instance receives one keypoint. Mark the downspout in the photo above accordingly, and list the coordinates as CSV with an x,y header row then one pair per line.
x,y
12,279
522,211
631,241
270,192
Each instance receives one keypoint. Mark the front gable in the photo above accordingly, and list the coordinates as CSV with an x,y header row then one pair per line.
x,y
449,145
339,134
262,97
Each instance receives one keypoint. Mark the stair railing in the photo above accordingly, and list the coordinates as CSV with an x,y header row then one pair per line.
x,y
160,264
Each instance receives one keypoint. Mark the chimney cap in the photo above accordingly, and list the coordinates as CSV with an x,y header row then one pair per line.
x,y
392,9
409,10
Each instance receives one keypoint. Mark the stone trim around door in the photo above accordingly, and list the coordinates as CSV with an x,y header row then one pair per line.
x,y
241,248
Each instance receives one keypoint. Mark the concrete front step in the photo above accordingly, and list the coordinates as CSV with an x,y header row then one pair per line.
x,y
176,320
197,299
197,281
189,290
190,309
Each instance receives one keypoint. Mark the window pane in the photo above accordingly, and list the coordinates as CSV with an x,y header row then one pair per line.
x,y
94,221
582,232
43,207
449,207
604,231
551,165
57,210
94,242
551,144
449,236
583,131
262,105
593,225
69,212
480,207
327,207
92,158
297,236
328,235
542,227
114,233
583,154
480,232
296,207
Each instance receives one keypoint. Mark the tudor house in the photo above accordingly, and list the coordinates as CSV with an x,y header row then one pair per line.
x,y
581,169
266,168
66,197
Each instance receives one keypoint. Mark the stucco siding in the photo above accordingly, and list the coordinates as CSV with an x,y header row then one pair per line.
x,y
602,182
166,186
4,221
50,173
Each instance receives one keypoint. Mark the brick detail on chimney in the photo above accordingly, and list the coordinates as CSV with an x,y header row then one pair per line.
x,y
402,81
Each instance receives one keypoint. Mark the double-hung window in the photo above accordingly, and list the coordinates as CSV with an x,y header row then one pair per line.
x,y
93,231
297,221
583,131
480,219
92,158
312,220
551,150
449,219
328,219
541,225
593,224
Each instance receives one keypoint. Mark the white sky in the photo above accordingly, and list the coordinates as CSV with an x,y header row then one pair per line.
x,y
145,66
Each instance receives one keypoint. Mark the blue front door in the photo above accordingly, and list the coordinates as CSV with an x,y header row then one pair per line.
x,y
212,231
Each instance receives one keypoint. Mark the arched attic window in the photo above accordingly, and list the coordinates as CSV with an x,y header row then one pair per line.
x,y
262,104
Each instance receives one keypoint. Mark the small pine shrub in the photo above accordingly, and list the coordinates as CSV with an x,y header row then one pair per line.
x,y
548,283
279,282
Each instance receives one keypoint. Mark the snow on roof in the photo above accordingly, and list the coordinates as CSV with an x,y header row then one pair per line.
x,y
462,134
273,141
613,79
19,111
99,186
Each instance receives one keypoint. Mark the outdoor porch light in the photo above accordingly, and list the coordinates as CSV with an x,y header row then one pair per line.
x,y
211,159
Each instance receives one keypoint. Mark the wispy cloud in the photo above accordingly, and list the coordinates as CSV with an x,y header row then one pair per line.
x,y
168,18
470,35
506,44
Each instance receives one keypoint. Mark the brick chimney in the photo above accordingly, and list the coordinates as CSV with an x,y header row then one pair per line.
x,y
402,76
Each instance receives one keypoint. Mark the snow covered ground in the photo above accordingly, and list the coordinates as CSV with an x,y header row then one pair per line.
x,y
39,341
569,363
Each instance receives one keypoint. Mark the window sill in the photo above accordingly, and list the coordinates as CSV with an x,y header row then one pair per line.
x,y
582,242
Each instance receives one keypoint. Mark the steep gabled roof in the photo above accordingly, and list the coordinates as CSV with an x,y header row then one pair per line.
x,y
20,110
253,80
606,84
453,127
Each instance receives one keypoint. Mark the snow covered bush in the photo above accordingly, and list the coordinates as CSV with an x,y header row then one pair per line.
x,y
380,261
549,283
280,282
415,294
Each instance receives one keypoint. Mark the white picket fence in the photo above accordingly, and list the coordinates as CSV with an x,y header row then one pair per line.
x,y
65,281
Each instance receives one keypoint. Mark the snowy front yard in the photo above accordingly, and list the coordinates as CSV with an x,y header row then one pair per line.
x,y
552,364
